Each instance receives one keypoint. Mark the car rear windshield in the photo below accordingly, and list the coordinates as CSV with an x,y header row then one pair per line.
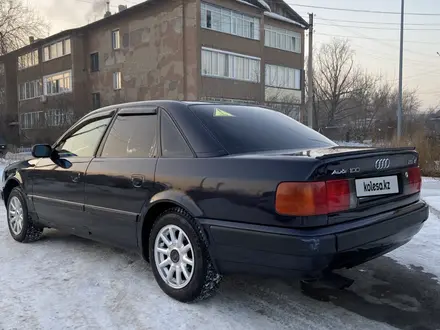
x,y
245,129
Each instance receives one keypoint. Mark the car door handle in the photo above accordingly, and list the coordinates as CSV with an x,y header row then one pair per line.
x,y
137,180
75,178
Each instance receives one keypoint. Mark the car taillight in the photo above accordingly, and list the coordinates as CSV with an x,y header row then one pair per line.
x,y
313,198
414,180
338,195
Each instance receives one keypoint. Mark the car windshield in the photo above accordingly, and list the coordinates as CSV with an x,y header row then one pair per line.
x,y
245,129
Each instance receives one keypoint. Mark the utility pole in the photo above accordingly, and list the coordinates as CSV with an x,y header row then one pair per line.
x,y
310,74
400,100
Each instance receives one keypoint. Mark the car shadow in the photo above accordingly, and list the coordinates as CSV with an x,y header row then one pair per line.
x,y
383,291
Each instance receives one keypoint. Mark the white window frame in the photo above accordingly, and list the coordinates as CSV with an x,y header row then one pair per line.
x,y
35,85
63,44
229,21
58,117
282,77
275,37
236,66
227,100
67,82
117,80
116,39
30,120
28,60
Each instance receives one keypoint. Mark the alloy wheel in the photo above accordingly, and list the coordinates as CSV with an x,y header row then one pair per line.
x,y
174,256
15,215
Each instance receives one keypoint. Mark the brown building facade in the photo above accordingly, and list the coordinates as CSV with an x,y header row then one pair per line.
x,y
231,50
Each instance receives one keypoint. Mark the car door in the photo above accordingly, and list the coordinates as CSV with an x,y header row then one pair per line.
x,y
121,178
58,192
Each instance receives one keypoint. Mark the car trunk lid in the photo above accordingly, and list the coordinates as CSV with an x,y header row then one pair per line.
x,y
379,179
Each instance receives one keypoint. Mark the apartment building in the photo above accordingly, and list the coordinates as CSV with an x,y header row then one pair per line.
x,y
230,50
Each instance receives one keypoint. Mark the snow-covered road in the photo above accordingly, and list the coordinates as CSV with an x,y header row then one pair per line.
x,y
63,282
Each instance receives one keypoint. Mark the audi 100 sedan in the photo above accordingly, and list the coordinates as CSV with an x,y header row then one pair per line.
x,y
201,190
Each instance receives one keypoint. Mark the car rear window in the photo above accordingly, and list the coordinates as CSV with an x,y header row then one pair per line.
x,y
244,129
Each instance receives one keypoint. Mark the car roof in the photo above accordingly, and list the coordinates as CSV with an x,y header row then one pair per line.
x,y
167,104
203,144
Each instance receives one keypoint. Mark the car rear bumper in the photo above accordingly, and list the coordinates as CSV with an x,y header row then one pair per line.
x,y
245,248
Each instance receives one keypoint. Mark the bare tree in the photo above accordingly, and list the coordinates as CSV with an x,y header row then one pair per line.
x,y
335,75
285,104
17,23
372,98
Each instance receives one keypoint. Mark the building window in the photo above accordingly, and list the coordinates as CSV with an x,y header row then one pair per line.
x,y
67,47
58,83
29,90
117,80
96,100
227,100
59,117
28,60
217,63
229,21
283,77
94,62
116,39
30,120
57,49
282,39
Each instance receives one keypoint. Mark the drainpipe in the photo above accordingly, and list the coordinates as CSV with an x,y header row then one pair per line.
x,y
185,94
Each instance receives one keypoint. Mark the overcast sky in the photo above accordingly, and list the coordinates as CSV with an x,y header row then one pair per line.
x,y
422,39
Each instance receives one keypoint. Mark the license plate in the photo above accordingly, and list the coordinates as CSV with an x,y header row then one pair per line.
x,y
384,185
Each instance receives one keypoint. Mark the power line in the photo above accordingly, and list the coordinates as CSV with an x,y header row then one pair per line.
x,y
91,2
412,62
375,22
380,28
113,6
363,10
377,39
381,41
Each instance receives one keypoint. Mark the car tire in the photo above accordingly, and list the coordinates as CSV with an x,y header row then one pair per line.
x,y
20,225
176,253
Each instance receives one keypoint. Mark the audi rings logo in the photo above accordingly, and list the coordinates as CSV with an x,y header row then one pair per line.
x,y
382,164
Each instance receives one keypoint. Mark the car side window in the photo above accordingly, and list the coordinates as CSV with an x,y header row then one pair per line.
x,y
132,136
173,144
84,141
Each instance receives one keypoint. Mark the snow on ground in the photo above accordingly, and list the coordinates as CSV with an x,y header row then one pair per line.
x,y
424,249
352,144
63,282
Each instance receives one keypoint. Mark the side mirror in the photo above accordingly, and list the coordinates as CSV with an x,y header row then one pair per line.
x,y
64,163
41,151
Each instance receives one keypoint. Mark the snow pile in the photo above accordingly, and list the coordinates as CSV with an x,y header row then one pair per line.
x,y
352,144
247,3
18,156
424,248
282,18
265,5
10,157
